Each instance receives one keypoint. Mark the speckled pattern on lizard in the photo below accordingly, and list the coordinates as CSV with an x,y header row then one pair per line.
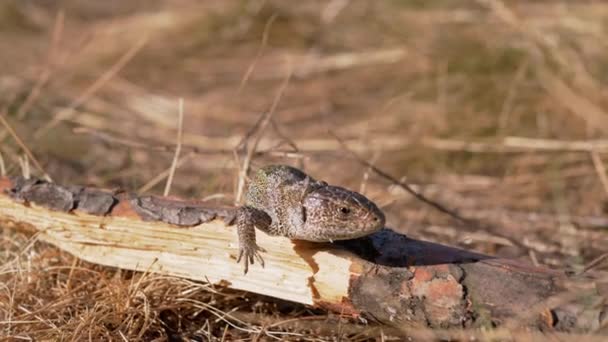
x,y
284,201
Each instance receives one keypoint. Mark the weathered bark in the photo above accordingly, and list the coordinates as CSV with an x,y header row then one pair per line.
x,y
387,276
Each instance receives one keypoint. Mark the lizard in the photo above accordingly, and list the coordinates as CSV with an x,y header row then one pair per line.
x,y
284,201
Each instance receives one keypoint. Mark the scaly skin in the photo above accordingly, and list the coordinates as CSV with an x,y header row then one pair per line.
x,y
284,201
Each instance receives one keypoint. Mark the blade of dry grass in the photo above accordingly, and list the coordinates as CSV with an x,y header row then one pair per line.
x,y
154,181
180,128
201,144
512,144
580,106
261,48
147,145
24,147
259,128
69,112
507,106
47,71
2,166
310,65
24,164
332,10
600,169
592,114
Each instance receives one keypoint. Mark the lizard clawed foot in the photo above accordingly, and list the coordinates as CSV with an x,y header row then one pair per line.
x,y
251,253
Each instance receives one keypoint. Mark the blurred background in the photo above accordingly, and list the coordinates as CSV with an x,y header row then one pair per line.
x,y
497,110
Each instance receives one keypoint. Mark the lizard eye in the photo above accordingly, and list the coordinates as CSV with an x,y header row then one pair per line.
x,y
344,210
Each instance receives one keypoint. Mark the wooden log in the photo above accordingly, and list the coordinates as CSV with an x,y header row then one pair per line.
x,y
387,276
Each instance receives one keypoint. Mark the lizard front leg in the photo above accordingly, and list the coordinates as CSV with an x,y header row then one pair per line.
x,y
247,218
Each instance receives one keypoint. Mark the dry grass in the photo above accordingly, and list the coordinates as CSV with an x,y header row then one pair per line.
x,y
498,111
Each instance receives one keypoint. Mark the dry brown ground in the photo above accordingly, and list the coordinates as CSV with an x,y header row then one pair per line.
x,y
438,93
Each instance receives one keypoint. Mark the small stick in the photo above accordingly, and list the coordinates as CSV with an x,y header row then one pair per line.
x,y
474,223
152,183
259,126
594,263
403,185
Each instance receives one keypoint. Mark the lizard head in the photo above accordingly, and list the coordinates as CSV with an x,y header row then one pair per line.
x,y
335,213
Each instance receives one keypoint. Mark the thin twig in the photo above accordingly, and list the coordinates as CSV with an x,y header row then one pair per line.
x,y
261,48
180,127
403,185
24,147
442,91
152,183
259,128
283,136
507,145
575,101
2,166
45,75
363,185
332,10
158,146
595,262
532,255
25,167
600,169
470,223
507,105
243,170
100,82
514,144
146,145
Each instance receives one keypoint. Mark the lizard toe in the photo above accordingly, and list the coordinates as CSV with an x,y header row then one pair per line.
x,y
258,256
249,256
